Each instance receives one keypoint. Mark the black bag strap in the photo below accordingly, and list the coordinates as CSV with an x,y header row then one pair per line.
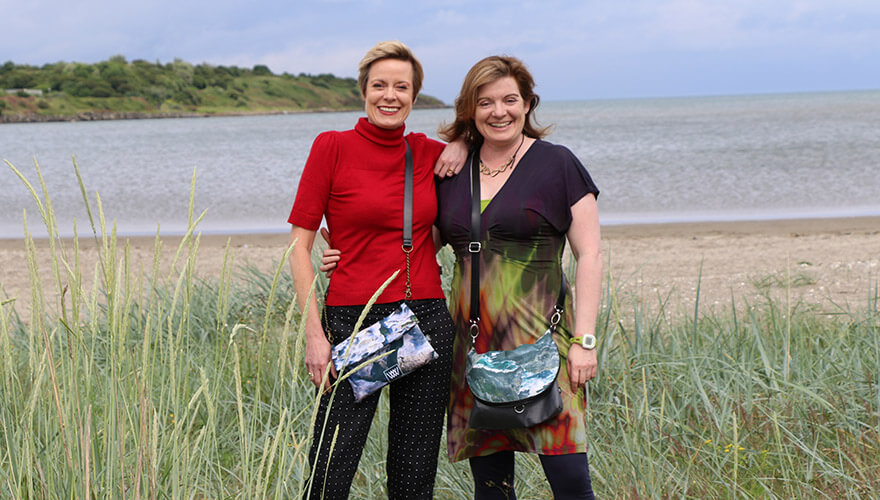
x,y
407,244
408,198
474,247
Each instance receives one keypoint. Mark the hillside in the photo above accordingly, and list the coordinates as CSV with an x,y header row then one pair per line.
x,y
117,88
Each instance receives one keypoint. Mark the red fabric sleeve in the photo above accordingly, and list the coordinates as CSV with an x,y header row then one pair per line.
x,y
313,191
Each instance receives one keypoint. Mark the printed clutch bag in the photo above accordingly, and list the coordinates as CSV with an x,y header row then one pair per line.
x,y
383,352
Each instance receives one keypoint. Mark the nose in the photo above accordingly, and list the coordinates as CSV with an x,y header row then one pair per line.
x,y
389,94
498,109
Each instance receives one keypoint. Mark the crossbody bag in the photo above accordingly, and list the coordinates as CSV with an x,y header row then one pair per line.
x,y
515,388
395,345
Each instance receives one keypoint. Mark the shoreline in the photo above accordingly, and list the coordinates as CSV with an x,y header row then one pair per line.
x,y
85,116
792,226
825,263
799,226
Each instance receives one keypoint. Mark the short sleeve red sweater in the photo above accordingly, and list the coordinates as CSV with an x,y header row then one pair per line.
x,y
355,179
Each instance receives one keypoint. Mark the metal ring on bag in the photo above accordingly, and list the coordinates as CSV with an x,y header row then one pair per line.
x,y
519,409
554,320
474,330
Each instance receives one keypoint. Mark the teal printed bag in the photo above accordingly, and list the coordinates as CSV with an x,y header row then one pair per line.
x,y
383,352
522,373
516,388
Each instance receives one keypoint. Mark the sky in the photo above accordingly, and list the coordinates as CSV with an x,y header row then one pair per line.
x,y
585,49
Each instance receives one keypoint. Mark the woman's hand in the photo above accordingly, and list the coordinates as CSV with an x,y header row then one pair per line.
x,y
317,358
452,159
330,257
582,365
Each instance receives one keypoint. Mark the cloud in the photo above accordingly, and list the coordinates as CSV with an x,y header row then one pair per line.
x,y
577,49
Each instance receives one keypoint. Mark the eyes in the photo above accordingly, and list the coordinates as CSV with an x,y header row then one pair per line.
x,y
380,86
510,100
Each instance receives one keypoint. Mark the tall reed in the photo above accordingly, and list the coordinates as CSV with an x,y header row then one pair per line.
x,y
175,385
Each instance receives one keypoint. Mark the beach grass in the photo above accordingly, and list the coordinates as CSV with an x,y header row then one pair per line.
x,y
167,384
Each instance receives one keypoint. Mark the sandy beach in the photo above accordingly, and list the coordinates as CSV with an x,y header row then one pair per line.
x,y
828,263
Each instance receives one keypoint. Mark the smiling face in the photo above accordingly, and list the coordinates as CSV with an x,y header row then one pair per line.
x,y
501,112
388,97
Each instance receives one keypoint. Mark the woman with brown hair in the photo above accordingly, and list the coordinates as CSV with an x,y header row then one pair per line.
x,y
534,196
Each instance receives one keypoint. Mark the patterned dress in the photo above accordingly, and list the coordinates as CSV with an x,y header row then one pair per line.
x,y
523,237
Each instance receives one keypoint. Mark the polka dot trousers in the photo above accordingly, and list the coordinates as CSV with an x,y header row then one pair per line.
x,y
418,405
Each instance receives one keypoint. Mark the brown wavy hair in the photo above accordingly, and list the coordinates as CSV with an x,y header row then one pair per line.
x,y
487,71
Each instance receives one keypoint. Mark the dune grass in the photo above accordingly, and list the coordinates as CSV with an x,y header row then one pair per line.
x,y
174,385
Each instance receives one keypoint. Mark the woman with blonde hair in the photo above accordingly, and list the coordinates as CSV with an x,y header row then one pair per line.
x,y
355,180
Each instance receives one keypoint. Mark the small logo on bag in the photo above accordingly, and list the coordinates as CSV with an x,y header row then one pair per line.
x,y
392,373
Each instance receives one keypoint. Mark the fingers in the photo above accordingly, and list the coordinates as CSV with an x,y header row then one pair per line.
x,y
579,378
315,378
316,375
573,375
326,387
329,262
331,253
446,169
325,234
590,374
332,376
580,373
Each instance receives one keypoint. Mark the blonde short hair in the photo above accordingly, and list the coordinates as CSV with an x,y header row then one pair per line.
x,y
391,49
487,71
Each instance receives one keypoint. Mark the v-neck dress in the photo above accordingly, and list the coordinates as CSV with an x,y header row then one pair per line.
x,y
523,237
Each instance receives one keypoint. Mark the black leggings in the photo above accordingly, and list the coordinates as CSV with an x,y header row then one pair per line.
x,y
418,403
568,475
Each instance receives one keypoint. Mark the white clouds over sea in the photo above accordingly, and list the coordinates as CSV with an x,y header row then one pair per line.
x,y
577,49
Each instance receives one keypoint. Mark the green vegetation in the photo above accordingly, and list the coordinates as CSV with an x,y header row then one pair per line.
x,y
116,86
180,386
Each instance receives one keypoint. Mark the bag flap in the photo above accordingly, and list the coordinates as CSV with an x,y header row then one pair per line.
x,y
407,354
506,376
371,340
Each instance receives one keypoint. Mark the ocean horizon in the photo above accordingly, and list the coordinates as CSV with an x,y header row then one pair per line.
x,y
655,160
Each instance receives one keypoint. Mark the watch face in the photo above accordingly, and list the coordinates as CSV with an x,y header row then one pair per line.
x,y
588,342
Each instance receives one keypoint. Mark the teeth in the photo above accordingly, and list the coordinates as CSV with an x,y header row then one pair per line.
x,y
387,109
499,125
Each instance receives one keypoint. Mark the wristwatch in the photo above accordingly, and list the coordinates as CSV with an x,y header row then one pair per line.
x,y
588,341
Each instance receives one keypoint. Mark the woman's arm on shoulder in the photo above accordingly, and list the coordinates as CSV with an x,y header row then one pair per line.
x,y
452,158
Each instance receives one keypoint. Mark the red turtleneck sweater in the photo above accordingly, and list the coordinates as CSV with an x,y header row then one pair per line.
x,y
355,179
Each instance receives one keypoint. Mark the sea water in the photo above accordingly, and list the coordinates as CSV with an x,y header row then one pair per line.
x,y
655,160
